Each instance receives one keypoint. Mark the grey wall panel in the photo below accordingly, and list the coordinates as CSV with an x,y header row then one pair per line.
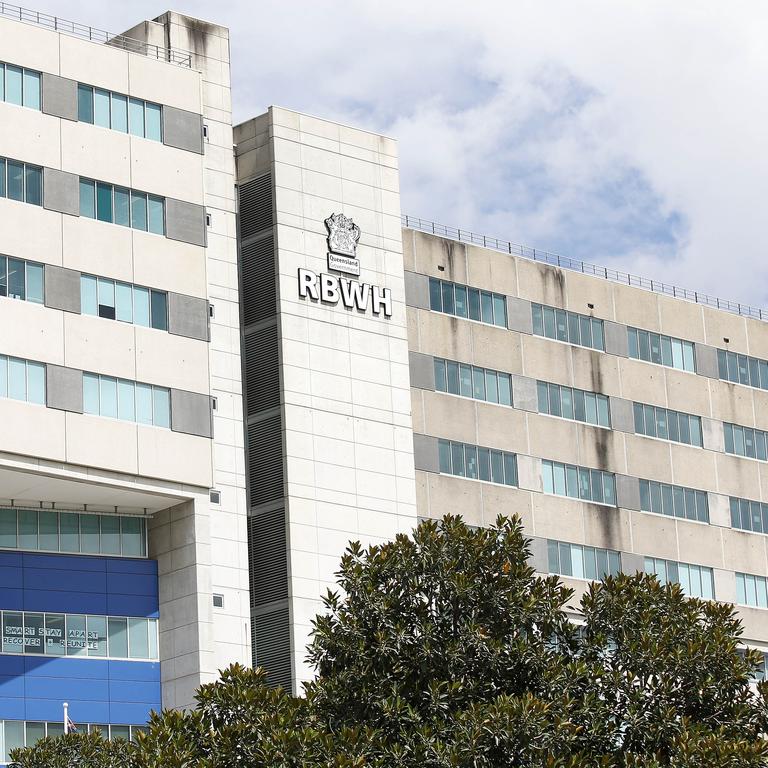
x,y
622,415
64,388
185,222
539,559
524,395
425,453
182,129
712,434
62,288
632,563
519,315
59,96
422,370
615,338
188,316
416,290
627,492
706,361
61,191
191,413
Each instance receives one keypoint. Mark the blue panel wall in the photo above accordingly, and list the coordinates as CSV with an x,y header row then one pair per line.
x,y
98,690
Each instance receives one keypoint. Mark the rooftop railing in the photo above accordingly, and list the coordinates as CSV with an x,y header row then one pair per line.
x,y
84,32
464,236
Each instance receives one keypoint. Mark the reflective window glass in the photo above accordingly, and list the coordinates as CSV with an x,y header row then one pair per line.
x,y
84,104
119,113
101,110
153,121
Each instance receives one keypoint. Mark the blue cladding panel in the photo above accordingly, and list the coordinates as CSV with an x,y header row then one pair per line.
x,y
98,690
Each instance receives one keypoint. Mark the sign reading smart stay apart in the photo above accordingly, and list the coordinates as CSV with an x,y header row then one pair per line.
x,y
343,236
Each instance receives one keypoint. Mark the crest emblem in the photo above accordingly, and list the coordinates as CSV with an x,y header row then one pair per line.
x,y
343,235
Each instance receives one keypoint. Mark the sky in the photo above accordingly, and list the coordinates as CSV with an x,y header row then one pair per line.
x,y
626,133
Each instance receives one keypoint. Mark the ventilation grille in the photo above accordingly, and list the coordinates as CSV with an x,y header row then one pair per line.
x,y
271,643
262,370
265,461
257,268
267,559
255,207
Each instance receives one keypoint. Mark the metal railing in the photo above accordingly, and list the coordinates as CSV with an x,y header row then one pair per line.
x,y
84,32
464,236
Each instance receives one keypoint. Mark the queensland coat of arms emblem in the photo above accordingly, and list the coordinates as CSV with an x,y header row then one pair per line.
x,y
343,235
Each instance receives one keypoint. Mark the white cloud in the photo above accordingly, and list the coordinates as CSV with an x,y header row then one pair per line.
x,y
624,132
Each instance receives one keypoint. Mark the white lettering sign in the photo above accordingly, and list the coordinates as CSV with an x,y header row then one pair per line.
x,y
331,289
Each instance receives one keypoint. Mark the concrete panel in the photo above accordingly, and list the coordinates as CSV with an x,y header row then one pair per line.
x,y
622,414
422,370
524,395
725,585
539,559
182,129
61,191
188,316
94,441
185,222
491,270
519,316
719,510
59,96
706,361
529,473
425,453
713,436
64,388
456,496
191,413
175,456
493,347
627,492
615,338
62,288
172,361
631,563
416,290
32,430
497,426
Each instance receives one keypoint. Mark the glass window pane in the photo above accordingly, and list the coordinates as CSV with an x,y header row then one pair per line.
x,y
55,640
89,534
104,202
460,294
554,400
538,319
473,298
153,121
36,383
15,180
77,644
561,323
101,108
8,528
484,464
470,461
141,306
136,117
597,485
497,467
689,364
138,211
566,567
553,556
35,283
491,387
110,535
138,639
108,396
542,390
13,632
156,215
34,633
577,562
123,302
597,334
49,530
645,496
457,459
132,536
655,340
478,384
13,85
572,481
447,298
31,89
547,478
444,449
97,635
84,104
159,310
486,307
499,310
510,469
609,489
441,378
591,406
579,405
33,185
91,393
28,536
119,113
558,474
505,389
3,376
573,328
122,207
566,402
87,198
549,322
3,276
69,528
16,279
144,403
603,414
435,295
17,379
586,331
666,350
456,379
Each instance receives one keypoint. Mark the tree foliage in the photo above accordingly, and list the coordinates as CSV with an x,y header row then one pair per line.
x,y
445,650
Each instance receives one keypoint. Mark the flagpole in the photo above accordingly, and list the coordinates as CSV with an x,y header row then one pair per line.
x,y
66,717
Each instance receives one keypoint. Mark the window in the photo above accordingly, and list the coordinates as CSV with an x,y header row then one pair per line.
x,y
568,326
576,404
674,501
123,301
582,562
52,530
218,601
58,634
745,441
653,421
579,482
696,580
20,86
751,590
126,207
749,515
118,112
126,400
741,369
21,181
21,279
662,350
477,463
471,381
472,303
22,380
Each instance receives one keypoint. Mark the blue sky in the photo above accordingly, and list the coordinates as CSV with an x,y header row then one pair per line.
x,y
631,133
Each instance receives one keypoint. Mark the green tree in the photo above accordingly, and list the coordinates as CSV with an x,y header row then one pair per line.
x,y
445,650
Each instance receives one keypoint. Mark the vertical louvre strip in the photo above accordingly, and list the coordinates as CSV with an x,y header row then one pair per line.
x,y
255,206
270,636
265,461
267,561
257,270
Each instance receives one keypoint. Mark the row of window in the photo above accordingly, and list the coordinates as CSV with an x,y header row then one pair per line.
x,y
674,501
654,421
751,590
123,301
58,634
20,86
126,400
749,515
570,403
745,441
695,580
22,380
578,482
21,181
741,369
119,112
19,733
662,350
582,562
51,530
559,324
477,463
472,303
118,205
472,381
21,279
